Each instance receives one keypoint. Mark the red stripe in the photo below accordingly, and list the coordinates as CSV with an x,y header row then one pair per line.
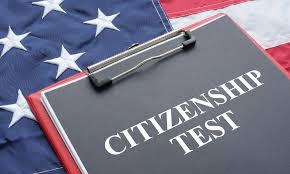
x,y
282,55
178,8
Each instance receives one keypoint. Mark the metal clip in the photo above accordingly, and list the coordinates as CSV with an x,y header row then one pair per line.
x,y
185,45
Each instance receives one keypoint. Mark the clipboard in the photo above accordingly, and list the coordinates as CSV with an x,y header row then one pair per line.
x,y
148,73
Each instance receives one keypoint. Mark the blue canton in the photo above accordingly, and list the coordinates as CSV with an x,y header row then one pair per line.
x,y
44,41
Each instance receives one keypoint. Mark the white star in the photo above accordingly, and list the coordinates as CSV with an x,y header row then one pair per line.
x,y
20,109
103,21
49,5
12,41
65,61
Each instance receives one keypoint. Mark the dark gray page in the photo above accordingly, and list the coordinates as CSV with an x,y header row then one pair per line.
x,y
259,143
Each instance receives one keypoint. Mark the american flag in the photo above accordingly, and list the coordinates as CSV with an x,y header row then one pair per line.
x,y
43,42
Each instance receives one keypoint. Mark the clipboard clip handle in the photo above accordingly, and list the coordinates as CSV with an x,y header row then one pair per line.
x,y
185,45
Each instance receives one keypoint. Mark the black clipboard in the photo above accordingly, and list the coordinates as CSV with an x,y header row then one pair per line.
x,y
254,140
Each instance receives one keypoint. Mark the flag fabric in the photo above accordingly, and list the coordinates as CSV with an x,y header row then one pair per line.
x,y
45,41
266,21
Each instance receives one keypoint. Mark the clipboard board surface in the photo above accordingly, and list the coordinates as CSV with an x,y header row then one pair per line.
x,y
86,117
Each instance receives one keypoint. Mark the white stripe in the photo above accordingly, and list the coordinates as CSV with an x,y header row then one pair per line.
x,y
50,170
267,21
